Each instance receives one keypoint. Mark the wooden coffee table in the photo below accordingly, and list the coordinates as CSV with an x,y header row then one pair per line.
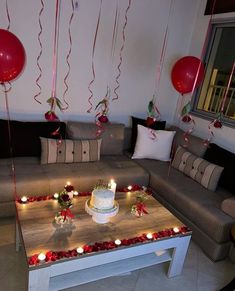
x,y
37,233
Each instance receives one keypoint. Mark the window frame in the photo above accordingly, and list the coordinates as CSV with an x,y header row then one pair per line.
x,y
195,98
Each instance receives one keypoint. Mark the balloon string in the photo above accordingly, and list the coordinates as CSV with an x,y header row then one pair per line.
x,y
120,54
67,59
10,139
8,16
92,65
54,70
39,56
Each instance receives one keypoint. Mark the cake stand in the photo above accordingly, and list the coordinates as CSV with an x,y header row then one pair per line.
x,y
101,216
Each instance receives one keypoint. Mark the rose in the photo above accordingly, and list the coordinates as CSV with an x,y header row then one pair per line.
x,y
217,123
103,119
69,188
51,116
150,121
65,197
186,118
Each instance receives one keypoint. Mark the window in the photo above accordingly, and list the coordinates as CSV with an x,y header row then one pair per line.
x,y
219,63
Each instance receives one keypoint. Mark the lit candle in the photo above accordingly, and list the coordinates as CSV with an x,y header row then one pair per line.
x,y
41,257
113,186
149,235
75,193
117,242
176,229
80,250
56,196
24,199
129,187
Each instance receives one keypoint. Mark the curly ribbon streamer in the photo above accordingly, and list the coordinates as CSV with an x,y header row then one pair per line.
x,y
161,61
120,54
92,65
67,59
8,16
5,90
39,55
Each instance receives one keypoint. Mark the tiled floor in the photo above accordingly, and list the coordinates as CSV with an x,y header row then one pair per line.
x,y
199,274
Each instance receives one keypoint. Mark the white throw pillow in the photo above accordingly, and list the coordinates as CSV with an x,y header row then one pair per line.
x,y
153,144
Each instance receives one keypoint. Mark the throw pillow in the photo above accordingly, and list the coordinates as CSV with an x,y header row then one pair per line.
x,y
157,125
198,169
25,137
224,158
69,151
153,144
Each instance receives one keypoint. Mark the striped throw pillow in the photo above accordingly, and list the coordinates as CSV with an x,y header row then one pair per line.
x,y
198,169
69,151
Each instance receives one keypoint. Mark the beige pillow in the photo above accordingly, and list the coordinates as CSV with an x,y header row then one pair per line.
x,y
198,169
69,151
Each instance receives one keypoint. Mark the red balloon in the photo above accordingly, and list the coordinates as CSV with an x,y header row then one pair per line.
x,y
184,72
12,56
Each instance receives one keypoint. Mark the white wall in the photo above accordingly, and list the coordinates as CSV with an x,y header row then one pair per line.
x,y
145,30
225,136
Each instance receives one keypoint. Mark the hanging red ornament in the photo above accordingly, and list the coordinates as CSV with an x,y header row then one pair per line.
x,y
12,56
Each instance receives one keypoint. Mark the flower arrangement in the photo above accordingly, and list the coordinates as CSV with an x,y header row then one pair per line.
x,y
139,208
102,185
64,215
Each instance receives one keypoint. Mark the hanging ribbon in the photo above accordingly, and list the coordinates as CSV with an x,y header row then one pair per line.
x,y
39,55
53,101
120,54
6,91
92,64
153,111
8,16
67,59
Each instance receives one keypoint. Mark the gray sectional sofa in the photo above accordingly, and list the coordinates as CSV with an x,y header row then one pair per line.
x,y
196,206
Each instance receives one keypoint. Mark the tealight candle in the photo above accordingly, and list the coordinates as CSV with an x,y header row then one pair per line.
x,y
80,250
149,235
129,187
117,242
24,199
75,193
176,229
41,257
56,196
113,186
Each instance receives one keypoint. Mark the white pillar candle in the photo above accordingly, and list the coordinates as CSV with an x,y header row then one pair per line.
x,y
41,257
56,196
112,186
149,235
129,187
117,242
176,229
80,250
24,199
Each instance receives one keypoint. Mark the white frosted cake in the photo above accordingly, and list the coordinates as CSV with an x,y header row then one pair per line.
x,y
102,199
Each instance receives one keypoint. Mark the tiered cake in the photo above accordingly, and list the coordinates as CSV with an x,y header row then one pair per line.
x,y
102,205
102,199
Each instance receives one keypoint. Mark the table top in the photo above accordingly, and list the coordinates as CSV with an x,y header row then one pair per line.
x,y
41,234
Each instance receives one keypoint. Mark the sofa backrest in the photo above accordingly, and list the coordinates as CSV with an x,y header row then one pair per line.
x,y
112,137
25,137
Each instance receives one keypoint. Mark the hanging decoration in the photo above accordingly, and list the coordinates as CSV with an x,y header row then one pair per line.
x,y
39,55
68,58
53,101
92,62
8,16
102,108
153,111
12,56
120,54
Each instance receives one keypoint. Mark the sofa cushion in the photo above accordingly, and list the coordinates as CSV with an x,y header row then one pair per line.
x,y
69,151
197,203
153,144
198,169
25,137
195,144
216,154
157,125
112,137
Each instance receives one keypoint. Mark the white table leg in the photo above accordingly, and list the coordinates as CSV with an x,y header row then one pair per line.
x,y
17,236
39,279
178,257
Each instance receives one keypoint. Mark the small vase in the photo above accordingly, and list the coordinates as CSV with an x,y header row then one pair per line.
x,y
63,217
